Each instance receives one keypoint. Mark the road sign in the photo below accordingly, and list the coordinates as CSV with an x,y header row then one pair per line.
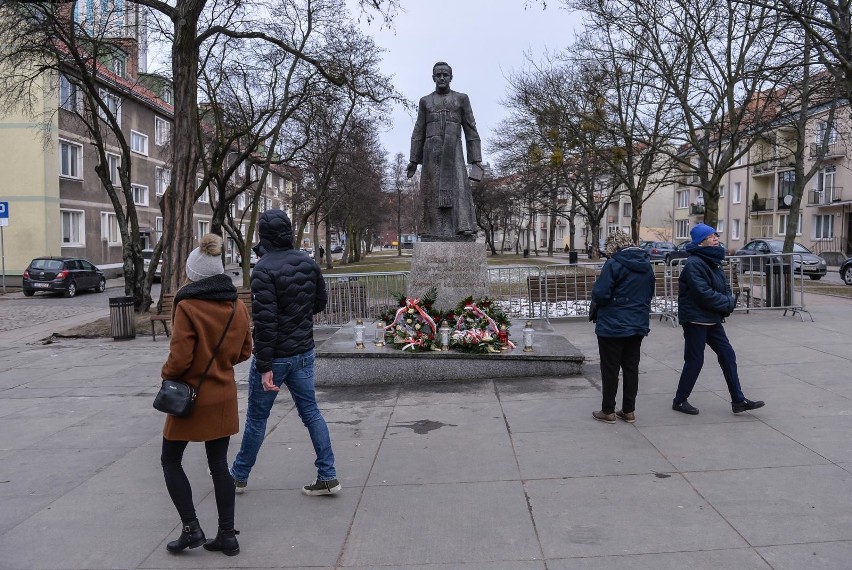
x,y
4,213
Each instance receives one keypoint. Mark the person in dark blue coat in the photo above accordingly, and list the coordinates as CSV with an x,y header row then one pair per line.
x,y
623,295
704,300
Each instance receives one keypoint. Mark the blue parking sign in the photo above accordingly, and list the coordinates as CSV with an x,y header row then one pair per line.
x,y
4,213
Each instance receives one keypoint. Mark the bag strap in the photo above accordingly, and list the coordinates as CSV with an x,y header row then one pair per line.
x,y
215,350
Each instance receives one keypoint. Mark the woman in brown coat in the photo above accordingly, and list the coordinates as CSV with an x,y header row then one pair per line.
x,y
202,308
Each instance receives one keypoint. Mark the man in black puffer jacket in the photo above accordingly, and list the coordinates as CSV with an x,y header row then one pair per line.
x,y
704,300
287,290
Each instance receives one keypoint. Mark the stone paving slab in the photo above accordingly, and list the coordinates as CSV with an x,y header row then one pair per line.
x,y
488,474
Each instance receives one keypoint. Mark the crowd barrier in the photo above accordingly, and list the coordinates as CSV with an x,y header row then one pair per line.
x,y
758,282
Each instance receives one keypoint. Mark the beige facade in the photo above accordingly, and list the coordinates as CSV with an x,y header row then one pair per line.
x,y
31,187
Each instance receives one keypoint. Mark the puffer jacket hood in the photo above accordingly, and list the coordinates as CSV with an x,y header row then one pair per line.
x,y
633,258
275,230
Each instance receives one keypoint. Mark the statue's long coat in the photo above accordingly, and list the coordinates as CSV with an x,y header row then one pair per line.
x,y
436,144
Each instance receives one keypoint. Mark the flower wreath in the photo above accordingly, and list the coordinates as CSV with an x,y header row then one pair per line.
x,y
413,325
478,323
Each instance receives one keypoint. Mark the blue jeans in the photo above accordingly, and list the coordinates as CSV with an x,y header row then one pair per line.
x,y
297,373
695,338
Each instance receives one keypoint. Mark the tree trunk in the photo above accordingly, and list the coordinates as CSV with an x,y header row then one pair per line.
x,y
179,200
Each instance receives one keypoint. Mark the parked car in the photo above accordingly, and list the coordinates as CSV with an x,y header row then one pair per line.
x,y
657,250
846,271
810,264
65,275
337,248
147,254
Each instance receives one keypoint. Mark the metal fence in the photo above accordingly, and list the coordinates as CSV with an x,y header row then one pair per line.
x,y
758,282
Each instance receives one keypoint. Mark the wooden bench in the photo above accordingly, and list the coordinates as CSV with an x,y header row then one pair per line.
x,y
164,315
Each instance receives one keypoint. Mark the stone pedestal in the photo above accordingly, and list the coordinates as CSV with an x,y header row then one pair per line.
x,y
458,269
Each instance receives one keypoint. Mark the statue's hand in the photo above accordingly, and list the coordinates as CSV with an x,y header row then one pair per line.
x,y
411,170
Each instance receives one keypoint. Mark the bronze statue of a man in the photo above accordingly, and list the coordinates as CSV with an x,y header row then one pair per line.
x,y
448,212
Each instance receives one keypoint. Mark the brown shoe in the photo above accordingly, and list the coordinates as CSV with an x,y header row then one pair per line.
x,y
629,417
605,418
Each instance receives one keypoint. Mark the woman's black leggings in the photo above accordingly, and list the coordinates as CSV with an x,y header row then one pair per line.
x,y
178,484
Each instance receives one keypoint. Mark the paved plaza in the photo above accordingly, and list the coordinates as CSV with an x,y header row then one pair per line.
x,y
477,475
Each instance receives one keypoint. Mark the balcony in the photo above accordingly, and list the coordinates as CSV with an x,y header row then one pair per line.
x,y
830,150
826,196
696,209
759,205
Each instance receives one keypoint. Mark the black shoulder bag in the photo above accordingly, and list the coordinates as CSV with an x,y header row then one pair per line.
x,y
177,397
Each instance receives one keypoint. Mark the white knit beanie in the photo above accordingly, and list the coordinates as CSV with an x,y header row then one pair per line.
x,y
206,259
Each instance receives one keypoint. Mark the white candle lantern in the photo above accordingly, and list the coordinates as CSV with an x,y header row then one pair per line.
x,y
444,331
528,336
359,333
380,334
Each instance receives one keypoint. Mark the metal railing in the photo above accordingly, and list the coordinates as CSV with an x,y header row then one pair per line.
x,y
825,196
758,282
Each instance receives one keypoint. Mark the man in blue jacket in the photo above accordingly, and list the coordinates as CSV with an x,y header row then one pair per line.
x,y
287,289
704,300
623,295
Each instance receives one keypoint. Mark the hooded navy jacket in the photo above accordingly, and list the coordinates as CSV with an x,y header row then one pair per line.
x,y
704,295
623,293
287,289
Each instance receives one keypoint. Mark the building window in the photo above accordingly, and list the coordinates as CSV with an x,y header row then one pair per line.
x,y
782,225
824,226
168,94
205,196
158,228
113,104
162,131
241,201
163,178
70,160
626,210
139,143
721,190
69,95
736,196
720,227
140,194
109,229
785,185
735,229
113,162
73,228
118,65
683,199
203,228
682,229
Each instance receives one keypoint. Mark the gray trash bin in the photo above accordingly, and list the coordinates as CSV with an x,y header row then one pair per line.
x,y
122,320
779,286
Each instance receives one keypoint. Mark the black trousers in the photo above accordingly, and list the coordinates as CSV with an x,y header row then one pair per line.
x,y
619,353
178,484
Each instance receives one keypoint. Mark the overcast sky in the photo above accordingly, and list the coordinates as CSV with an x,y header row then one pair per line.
x,y
483,40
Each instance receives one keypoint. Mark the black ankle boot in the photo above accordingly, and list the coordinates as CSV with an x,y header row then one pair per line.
x,y
191,536
225,542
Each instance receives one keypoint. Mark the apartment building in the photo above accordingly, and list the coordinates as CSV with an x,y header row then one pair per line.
x,y
57,203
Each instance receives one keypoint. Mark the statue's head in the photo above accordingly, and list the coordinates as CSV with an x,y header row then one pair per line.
x,y
442,75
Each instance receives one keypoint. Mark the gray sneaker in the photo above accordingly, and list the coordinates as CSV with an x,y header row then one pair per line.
x,y
240,486
322,487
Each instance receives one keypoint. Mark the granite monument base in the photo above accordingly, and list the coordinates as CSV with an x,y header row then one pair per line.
x,y
339,363
457,269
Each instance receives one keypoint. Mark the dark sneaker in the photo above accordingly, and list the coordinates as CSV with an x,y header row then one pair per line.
x,y
322,487
746,405
240,486
605,418
629,417
685,407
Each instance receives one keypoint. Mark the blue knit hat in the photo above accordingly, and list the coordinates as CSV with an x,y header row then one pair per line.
x,y
701,232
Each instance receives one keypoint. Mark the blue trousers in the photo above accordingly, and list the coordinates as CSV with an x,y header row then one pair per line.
x,y
297,373
695,338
